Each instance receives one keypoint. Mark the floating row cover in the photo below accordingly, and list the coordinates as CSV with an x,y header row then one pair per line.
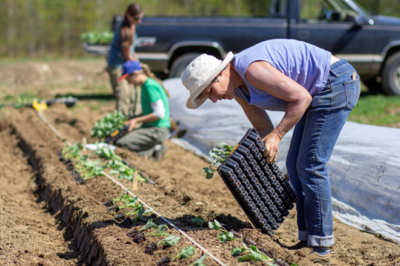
x,y
260,188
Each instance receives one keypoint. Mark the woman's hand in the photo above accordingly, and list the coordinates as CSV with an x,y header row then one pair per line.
x,y
132,124
271,142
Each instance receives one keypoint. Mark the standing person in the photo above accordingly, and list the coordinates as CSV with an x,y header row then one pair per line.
x,y
147,140
317,92
122,50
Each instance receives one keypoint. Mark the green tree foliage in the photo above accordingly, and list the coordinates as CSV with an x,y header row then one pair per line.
x,y
46,28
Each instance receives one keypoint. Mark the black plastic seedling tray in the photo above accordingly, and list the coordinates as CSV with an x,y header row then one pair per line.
x,y
117,134
260,188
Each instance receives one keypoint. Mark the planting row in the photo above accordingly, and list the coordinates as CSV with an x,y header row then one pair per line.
x,y
126,206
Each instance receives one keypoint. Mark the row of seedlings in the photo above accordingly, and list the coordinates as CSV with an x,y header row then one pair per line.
x,y
138,236
249,251
82,169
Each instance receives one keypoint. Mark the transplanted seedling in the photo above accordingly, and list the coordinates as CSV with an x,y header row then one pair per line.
x,y
187,252
218,155
89,169
224,235
123,171
169,241
129,202
160,231
107,153
199,262
254,254
149,225
198,221
71,151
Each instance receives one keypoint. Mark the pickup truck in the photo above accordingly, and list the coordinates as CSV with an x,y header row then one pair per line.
x,y
371,43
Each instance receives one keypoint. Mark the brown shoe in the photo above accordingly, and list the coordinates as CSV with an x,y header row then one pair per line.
x,y
319,259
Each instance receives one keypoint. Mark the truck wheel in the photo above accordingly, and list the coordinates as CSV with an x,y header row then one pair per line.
x,y
180,64
391,75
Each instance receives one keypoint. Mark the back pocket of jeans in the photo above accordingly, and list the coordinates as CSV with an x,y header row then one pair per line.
x,y
352,92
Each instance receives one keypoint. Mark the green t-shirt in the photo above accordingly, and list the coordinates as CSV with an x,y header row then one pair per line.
x,y
152,91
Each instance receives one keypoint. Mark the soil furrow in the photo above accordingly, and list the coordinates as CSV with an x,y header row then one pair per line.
x,y
32,233
180,193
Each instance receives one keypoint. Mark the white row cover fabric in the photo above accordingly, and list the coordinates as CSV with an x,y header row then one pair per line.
x,y
364,168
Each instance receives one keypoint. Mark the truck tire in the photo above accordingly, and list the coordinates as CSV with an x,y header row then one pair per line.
x,y
391,75
180,64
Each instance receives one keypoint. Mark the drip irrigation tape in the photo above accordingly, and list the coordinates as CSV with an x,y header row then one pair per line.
x,y
166,220
58,134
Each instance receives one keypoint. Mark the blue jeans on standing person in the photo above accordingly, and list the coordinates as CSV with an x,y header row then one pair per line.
x,y
311,147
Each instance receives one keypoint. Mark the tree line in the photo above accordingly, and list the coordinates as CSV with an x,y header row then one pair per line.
x,y
52,28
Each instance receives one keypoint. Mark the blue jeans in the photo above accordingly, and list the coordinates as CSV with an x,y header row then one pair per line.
x,y
311,147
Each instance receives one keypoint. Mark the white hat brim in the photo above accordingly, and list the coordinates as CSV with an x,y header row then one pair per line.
x,y
193,102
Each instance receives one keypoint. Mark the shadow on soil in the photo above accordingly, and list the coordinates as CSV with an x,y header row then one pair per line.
x,y
82,97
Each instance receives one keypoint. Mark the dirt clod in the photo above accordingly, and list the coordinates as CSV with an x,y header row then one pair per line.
x,y
236,234
119,216
249,241
139,238
126,222
113,208
132,233
108,203
164,261
280,262
150,248
267,252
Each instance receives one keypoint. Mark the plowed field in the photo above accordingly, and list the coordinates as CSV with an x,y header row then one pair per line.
x,y
47,219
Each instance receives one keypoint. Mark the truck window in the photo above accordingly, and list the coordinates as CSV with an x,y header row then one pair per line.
x,y
326,10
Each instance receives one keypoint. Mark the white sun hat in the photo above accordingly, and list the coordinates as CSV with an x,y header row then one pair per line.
x,y
200,73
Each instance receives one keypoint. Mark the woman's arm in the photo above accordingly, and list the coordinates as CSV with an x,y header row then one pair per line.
x,y
257,117
158,113
265,77
127,37
141,119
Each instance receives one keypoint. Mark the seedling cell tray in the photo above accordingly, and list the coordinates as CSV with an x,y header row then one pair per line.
x,y
116,135
260,188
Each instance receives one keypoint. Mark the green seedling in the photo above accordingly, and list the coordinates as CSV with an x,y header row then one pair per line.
x,y
149,225
169,241
254,255
199,262
107,125
24,100
128,202
123,171
224,235
107,153
187,252
238,251
72,151
160,231
139,213
218,155
198,221
90,169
